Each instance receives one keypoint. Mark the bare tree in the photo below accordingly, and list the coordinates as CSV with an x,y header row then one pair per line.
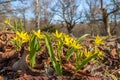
x,y
68,11
46,15
102,12
106,14
22,10
91,14
117,3
37,14
12,11
5,7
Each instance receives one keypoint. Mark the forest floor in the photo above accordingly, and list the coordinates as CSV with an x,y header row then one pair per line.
x,y
13,63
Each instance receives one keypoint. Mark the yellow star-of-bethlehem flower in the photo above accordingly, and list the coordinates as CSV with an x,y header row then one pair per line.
x,y
58,35
7,22
23,36
71,42
98,41
100,53
67,40
76,45
16,38
87,53
38,34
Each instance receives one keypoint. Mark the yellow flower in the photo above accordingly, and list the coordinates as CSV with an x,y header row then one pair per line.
x,y
71,42
76,45
23,36
7,22
67,40
98,41
16,38
100,54
58,35
38,34
87,53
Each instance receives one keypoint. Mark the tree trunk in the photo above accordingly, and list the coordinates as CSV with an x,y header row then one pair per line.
x,y
92,30
108,28
105,19
24,18
69,28
37,14
106,22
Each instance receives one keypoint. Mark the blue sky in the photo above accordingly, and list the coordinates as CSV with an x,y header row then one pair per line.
x,y
18,4
29,13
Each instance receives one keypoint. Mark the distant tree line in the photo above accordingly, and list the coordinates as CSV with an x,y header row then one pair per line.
x,y
101,16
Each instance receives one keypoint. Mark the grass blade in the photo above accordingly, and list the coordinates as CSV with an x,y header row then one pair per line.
x,y
85,61
82,37
34,47
72,49
52,56
69,54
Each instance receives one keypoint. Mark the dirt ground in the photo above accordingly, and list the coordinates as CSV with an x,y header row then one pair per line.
x,y
14,66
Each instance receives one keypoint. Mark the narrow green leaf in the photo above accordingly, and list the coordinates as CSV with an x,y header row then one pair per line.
x,y
77,58
85,61
32,42
60,46
32,59
15,25
52,56
82,37
34,47
21,26
69,54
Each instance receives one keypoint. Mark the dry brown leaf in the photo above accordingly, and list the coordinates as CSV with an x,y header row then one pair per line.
x,y
113,53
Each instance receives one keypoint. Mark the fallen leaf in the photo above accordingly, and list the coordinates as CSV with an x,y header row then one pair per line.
x,y
113,53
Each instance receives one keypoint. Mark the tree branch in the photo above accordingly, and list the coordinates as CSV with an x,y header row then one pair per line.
x,y
113,11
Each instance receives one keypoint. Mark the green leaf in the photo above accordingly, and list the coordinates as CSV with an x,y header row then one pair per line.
x,y
77,58
82,37
60,45
15,25
34,47
21,26
32,59
69,54
32,42
85,61
38,47
52,56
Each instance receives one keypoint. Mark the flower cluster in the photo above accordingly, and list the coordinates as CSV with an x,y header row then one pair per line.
x,y
38,34
67,40
21,37
98,41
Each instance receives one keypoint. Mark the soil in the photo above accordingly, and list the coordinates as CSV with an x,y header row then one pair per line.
x,y
15,66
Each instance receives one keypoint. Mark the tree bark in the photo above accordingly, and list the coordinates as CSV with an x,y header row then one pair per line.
x,y
105,20
37,14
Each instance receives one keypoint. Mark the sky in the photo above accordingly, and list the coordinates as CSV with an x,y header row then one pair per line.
x,y
30,12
